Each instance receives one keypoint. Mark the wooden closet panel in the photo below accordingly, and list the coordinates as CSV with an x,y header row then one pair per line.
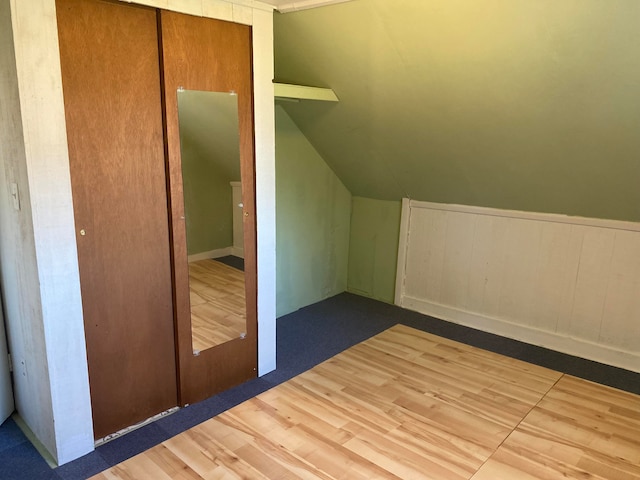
x,y
111,82
210,55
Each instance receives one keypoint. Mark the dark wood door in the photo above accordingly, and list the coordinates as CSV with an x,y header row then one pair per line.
x,y
210,55
112,95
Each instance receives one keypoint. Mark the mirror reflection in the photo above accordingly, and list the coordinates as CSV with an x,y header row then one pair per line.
x,y
210,151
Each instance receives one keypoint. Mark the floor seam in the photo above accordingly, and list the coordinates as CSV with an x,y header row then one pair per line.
x,y
524,417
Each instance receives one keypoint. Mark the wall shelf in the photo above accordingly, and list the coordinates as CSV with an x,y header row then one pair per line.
x,y
287,91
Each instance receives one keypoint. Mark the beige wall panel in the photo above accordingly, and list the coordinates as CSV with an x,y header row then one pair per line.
x,y
572,262
242,14
425,254
491,282
520,253
621,312
591,282
554,276
191,7
54,356
457,255
219,10
569,283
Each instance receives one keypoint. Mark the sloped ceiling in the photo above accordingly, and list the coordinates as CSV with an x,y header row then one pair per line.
x,y
519,104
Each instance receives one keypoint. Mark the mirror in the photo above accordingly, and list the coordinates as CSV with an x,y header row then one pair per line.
x,y
210,153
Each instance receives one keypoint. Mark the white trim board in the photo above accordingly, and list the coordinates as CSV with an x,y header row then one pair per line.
x,y
220,252
553,341
571,284
545,217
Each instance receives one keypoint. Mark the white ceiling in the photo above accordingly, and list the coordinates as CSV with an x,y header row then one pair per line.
x,y
285,6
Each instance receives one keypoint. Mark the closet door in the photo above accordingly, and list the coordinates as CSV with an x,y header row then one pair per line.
x,y
111,82
206,59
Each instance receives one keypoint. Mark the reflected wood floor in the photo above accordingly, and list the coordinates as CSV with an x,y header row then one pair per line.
x,y
406,404
218,311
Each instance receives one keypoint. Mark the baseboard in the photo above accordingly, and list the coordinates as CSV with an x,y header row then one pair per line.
x,y
237,252
551,340
39,446
119,433
220,252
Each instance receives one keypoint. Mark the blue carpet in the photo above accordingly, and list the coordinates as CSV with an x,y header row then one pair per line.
x,y
304,339
235,262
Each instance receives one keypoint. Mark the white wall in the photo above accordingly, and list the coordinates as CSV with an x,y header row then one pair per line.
x,y
263,108
571,284
6,390
31,158
37,244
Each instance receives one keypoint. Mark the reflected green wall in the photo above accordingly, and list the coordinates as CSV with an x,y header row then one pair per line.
x,y
207,202
312,222
373,247
209,145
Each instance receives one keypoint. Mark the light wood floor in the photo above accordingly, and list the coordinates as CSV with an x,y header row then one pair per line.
x,y
218,310
409,405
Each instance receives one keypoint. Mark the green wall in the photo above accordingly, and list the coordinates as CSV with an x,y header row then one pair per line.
x,y
373,247
312,222
514,104
207,201
210,151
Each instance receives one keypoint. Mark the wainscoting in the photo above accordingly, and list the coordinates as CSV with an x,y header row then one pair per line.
x,y
570,284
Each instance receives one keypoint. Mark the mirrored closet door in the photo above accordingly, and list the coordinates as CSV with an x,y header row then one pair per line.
x,y
209,114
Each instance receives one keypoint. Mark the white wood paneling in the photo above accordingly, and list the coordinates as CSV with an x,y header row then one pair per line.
x,y
6,392
567,283
44,310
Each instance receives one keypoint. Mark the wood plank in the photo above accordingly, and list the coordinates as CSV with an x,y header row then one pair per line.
x,y
218,307
403,404
578,430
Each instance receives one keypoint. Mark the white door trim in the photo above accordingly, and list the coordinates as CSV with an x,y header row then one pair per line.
x,y
6,392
